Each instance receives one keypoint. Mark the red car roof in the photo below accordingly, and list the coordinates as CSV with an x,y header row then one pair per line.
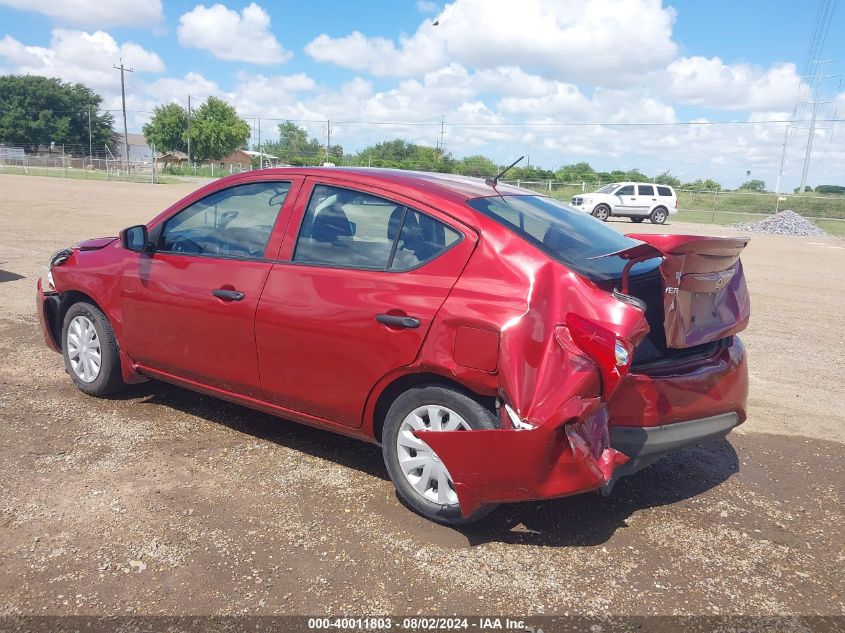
x,y
450,186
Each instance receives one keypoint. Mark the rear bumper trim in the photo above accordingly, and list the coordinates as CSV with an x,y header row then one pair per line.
x,y
645,445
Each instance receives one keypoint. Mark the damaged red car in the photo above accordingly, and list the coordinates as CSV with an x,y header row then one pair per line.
x,y
497,344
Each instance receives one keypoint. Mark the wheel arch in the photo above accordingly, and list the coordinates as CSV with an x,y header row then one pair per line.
x,y
403,382
69,298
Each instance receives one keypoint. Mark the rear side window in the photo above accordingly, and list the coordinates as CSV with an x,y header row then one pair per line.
x,y
422,238
646,190
345,228
575,239
664,191
234,222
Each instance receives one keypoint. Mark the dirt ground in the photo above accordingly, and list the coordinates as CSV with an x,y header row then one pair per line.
x,y
162,501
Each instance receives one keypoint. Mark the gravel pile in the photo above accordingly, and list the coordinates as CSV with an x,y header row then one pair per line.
x,y
783,223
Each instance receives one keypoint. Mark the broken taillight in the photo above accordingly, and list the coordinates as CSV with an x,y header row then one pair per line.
x,y
611,354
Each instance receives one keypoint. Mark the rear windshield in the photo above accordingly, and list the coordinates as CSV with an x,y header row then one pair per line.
x,y
565,234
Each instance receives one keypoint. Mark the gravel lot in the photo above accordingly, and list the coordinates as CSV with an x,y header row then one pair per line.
x,y
162,501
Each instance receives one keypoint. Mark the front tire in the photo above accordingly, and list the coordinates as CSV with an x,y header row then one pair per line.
x,y
658,216
601,212
421,479
90,350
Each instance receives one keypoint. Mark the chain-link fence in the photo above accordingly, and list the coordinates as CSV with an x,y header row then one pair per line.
x,y
85,168
702,206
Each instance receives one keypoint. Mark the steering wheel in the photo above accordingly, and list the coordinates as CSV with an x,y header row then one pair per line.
x,y
186,245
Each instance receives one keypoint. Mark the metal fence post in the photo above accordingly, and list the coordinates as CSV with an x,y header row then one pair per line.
x,y
713,210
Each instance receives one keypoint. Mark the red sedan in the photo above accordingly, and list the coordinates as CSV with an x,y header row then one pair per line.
x,y
499,345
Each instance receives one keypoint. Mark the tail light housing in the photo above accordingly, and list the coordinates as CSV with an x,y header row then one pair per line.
x,y
611,354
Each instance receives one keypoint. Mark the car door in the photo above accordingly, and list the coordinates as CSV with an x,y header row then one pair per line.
x,y
189,307
357,286
625,200
646,199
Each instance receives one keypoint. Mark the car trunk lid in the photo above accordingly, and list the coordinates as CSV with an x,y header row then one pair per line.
x,y
704,294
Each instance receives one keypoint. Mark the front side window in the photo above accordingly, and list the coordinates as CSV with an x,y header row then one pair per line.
x,y
351,229
627,190
646,190
575,239
234,222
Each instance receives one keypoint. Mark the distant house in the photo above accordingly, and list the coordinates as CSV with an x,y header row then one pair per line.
x,y
173,157
139,151
241,160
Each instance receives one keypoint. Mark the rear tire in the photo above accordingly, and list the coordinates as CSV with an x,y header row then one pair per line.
x,y
658,216
423,489
90,350
602,212
637,220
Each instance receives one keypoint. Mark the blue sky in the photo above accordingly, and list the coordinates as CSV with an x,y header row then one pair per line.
x,y
489,62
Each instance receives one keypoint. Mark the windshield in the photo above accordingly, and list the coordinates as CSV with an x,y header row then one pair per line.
x,y
565,234
607,188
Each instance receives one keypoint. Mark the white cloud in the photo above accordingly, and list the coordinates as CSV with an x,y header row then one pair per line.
x,y
426,6
710,82
169,89
571,40
102,14
227,35
79,57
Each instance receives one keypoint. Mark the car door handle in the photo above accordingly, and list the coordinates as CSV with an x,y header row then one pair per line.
x,y
228,295
394,320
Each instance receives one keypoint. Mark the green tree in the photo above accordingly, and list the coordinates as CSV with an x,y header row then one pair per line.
x,y
828,189
477,165
533,172
217,130
577,172
168,128
703,184
667,179
37,110
294,146
401,154
753,185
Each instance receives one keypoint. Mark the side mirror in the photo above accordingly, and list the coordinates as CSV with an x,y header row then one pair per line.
x,y
136,239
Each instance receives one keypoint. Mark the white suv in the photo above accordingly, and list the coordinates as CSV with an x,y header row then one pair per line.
x,y
635,200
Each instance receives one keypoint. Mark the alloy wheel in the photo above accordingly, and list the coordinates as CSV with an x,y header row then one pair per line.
x,y
419,463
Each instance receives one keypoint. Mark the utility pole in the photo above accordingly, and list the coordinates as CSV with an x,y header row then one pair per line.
x,y
189,132
328,140
442,132
123,100
782,157
90,150
819,65
260,157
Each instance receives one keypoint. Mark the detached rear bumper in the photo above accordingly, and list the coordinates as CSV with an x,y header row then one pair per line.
x,y
645,445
